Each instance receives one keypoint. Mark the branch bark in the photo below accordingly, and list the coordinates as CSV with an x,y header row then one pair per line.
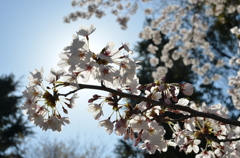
x,y
193,112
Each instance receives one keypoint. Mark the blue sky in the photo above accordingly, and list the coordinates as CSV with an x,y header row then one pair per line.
x,y
32,35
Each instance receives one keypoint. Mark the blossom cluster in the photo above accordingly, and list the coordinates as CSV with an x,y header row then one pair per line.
x,y
109,67
41,103
116,72
186,42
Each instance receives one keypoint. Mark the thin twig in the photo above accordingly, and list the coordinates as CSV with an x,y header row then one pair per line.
x,y
175,120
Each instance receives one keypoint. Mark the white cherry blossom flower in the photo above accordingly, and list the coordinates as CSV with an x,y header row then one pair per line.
x,y
150,147
175,55
76,45
53,76
133,86
152,128
120,131
152,49
109,54
179,135
106,73
125,46
155,142
36,77
154,61
193,146
83,31
153,112
183,102
96,109
32,93
55,123
128,69
87,69
143,106
36,115
64,62
146,33
190,124
205,154
138,123
107,124
57,73
156,37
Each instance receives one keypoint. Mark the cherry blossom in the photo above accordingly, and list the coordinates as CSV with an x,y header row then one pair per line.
x,y
187,89
36,77
116,73
205,154
107,124
193,146
96,109
45,114
138,123
83,31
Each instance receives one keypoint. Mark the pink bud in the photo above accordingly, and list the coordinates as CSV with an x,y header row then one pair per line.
x,y
95,96
187,89
175,98
65,110
91,100
141,87
161,88
126,136
137,141
124,123
163,79
118,125
132,137
69,105
148,146
167,100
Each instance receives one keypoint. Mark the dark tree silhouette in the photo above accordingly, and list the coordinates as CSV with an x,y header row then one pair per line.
x,y
13,127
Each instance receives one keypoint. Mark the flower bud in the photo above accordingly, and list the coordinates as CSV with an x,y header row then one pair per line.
x,y
91,100
187,89
95,96
161,87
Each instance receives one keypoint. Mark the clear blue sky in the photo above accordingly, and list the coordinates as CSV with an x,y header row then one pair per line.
x,y
32,34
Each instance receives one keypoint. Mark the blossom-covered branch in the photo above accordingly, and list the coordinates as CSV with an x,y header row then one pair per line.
x,y
112,68
192,112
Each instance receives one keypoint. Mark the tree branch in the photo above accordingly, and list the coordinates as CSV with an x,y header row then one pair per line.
x,y
193,112
175,120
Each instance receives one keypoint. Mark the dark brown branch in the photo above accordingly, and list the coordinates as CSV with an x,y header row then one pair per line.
x,y
193,112
71,92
